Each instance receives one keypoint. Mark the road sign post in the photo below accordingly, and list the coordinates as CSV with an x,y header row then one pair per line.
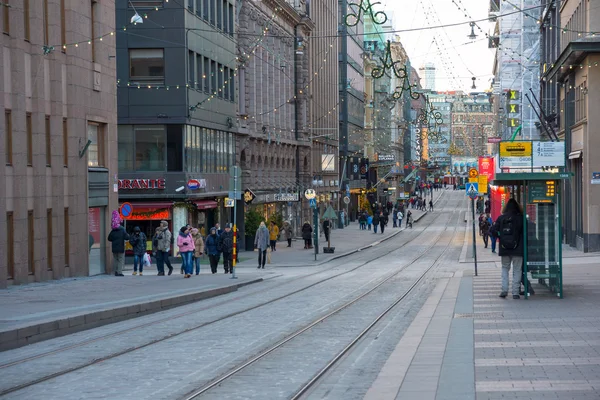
x,y
473,192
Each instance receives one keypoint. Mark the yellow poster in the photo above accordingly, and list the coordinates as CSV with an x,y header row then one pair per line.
x,y
483,183
515,149
473,180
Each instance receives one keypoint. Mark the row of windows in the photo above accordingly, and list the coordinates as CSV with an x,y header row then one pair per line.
x,y
48,238
95,134
210,76
208,150
46,39
165,147
218,13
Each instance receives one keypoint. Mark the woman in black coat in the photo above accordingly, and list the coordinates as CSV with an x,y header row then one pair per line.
x,y
307,235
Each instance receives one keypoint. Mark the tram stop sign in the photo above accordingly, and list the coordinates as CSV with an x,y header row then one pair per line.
x,y
472,190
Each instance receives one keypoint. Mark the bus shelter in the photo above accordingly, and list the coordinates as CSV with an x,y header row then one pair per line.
x,y
539,194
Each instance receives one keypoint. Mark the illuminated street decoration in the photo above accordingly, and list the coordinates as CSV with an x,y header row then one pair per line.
x,y
365,6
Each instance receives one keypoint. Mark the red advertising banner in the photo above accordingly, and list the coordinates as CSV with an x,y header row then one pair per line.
x,y
486,167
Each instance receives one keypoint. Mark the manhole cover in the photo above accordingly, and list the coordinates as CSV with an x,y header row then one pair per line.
x,y
487,315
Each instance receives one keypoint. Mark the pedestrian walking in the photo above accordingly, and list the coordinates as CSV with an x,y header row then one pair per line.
x,y
185,242
199,248
162,246
409,218
226,247
211,246
287,229
273,235
369,221
307,235
138,243
117,237
382,222
375,222
362,221
484,228
343,218
395,218
326,229
431,205
261,242
509,227
400,217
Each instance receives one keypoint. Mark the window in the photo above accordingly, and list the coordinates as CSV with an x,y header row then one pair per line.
x,y
220,80
30,243
49,238
191,5
230,19
212,12
26,19
126,148
46,22
48,141
231,85
147,65
8,134
206,75
219,14
205,10
213,77
174,148
65,134
149,147
67,236
6,17
96,148
199,8
93,28
29,132
10,244
191,68
198,72
63,25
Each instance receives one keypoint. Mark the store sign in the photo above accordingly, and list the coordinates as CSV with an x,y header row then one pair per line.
x,y
249,196
142,184
486,167
277,197
150,215
494,139
195,184
385,157
595,178
286,197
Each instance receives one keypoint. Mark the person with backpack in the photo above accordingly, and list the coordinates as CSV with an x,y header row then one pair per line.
x,y
211,246
493,234
509,227
226,247
484,228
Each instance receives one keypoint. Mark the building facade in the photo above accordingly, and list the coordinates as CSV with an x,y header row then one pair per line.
x,y
274,145
570,81
177,111
58,140
427,73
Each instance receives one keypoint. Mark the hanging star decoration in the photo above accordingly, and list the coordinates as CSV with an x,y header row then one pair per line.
x,y
365,6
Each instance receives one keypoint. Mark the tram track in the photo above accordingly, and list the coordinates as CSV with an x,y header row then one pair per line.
x,y
205,390
365,254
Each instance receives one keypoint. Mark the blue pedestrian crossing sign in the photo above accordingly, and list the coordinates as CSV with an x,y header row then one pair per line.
x,y
472,189
313,203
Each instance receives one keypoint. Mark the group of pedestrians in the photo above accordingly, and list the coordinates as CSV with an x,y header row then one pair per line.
x,y
192,247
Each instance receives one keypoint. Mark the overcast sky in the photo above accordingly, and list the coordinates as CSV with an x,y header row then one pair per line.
x,y
460,62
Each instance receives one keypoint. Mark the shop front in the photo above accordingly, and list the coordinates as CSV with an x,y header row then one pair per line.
x,y
269,205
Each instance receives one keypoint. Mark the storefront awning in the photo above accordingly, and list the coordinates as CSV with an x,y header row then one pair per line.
x,y
150,205
206,204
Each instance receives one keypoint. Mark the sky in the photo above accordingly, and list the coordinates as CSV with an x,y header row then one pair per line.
x,y
455,63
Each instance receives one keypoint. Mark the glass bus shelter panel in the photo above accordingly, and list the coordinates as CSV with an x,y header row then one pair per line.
x,y
543,236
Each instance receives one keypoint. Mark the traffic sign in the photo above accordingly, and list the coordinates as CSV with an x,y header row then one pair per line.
x,y
126,210
313,203
472,190
310,194
346,200
473,173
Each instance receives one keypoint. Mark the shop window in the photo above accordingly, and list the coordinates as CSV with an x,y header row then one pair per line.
x,y
97,147
150,147
174,148
147,66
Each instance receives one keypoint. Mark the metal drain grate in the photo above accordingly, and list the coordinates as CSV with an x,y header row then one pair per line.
x,y
482,315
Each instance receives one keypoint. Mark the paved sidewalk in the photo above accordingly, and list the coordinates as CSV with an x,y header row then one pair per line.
x,y
41,311
346,241
466,343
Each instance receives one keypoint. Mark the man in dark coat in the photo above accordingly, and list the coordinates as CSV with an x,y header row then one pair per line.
x,y
509,227
138,243
118,236
226,246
